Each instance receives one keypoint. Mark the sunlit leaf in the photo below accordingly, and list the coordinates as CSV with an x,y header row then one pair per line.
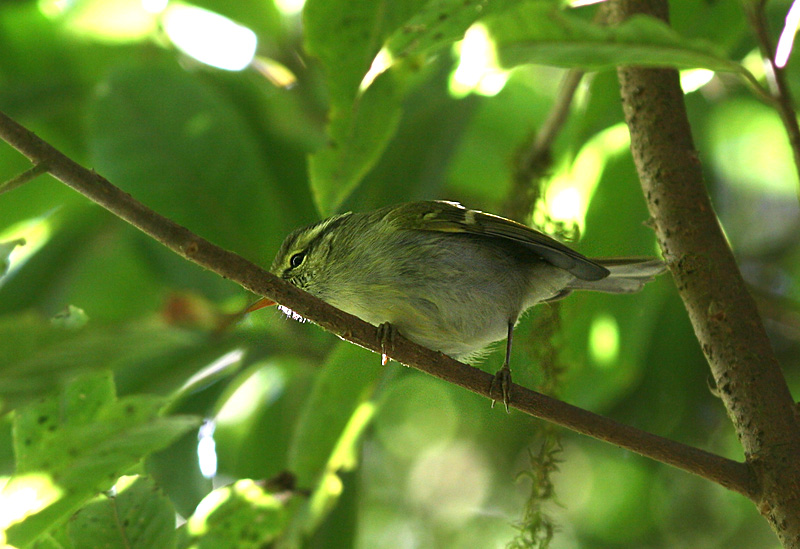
x,y
84,439
349,373
5,251
329,430
538,33
357,134
346,36
239,516
441,22
114,22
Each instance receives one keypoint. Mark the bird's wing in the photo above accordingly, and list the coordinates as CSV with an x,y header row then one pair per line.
x,y
451,217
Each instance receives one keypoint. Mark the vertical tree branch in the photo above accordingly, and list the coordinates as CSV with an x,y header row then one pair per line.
x,y
723,313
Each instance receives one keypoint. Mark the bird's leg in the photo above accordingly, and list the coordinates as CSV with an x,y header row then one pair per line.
x,y
502,379
387,334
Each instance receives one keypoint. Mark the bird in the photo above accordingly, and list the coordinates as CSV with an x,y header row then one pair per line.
x,y
449,278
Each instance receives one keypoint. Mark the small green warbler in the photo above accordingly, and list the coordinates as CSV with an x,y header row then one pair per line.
x,y
451,279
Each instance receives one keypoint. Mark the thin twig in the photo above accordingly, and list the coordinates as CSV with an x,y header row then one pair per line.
x,y
535,159
28,175
776,76
731,474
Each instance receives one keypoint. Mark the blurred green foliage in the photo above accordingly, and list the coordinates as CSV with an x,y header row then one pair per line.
x,y
342,451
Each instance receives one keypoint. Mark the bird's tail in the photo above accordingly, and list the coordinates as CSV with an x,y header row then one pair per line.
x,y
627,275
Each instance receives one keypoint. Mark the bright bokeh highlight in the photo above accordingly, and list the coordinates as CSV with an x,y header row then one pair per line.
x,y
754,63
448,483
154,6
117,21
209,37
54,8
26,238
749,148
290,7
207,449
604,340
571,189
123,483
478,70
694,79
26,495
786,41
382,61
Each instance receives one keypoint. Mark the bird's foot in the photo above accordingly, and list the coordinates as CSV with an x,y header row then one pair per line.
x,y
501,386
387,334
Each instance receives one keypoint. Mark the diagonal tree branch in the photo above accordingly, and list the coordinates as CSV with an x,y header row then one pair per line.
x,y
731,474
724,315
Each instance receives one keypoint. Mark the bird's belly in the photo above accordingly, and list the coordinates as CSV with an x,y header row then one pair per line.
x,y
455,296
457,326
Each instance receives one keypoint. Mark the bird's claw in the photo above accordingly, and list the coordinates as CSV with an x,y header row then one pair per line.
x,y
501,383
387,335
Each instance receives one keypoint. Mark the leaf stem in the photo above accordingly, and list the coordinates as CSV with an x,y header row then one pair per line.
x,y
32,173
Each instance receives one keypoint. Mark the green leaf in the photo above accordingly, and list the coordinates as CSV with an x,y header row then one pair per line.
x,y
346,36
538,33
178,144
77,443
364,115
440,23
345,382
138,516
77,404
357,136
328,432
49,542
240,516
37,357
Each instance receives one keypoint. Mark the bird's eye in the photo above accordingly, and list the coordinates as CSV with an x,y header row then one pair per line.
x,y
297,259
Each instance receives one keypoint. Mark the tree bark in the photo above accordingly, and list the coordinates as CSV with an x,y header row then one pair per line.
x,y
726,322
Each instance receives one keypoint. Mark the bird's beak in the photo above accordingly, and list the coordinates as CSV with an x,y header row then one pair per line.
x,y
260,304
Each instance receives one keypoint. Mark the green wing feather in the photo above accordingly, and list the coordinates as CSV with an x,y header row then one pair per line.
x,y
451,217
